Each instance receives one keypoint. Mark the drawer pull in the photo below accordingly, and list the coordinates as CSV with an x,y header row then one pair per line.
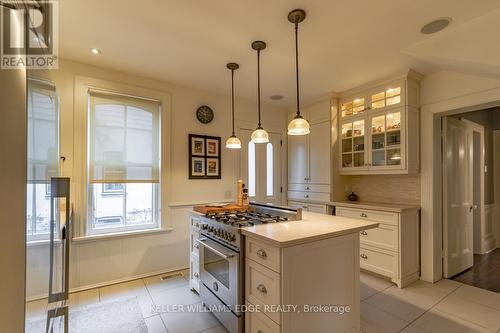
x,y
306,196
262,254
262,288
363,215
308,188
364,233
196,275
364,256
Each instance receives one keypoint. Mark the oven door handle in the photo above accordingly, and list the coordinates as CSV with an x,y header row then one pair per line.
x,y
203,242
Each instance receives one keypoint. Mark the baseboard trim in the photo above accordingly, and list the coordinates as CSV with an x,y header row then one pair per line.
x,y
109,283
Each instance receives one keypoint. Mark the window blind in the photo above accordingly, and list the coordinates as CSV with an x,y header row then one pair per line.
x,y
43,132
124,139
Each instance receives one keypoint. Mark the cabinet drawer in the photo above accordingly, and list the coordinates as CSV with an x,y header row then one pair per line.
x,y
372,215
308,207
314,196
262,287
309,188
257,322
379,261
263,254
385,236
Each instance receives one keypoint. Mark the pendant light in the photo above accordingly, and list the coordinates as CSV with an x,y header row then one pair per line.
x,y
233,142
298,126
259,135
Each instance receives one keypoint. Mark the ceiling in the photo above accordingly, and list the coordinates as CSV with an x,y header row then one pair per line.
x,y
343,43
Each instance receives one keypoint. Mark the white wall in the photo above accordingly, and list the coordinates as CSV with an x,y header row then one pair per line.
x,y
97,262
443,92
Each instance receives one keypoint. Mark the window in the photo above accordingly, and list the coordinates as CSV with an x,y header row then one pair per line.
x,y
251,169
269,170
123,163
43,156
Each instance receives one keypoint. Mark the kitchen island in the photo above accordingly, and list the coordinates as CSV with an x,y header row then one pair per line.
x,y
303,276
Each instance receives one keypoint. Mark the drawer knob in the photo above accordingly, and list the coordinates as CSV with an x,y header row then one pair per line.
x,y
196,275
364,233
262,254
363,215
306,196
364,256
262,288
197,246
308,188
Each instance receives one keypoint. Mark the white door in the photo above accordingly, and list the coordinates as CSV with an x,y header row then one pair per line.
x,y
457,198
298,159
261,167
319,161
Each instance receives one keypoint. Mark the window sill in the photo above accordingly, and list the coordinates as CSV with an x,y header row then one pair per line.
x,y
42,242
123,234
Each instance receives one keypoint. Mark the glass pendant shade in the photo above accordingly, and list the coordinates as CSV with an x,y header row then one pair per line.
x,y
260,136
233,142
298,126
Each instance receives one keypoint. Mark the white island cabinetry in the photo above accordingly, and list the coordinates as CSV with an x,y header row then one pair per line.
x,y
314,261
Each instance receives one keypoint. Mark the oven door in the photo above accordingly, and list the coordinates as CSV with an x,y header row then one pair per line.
x,y
220,269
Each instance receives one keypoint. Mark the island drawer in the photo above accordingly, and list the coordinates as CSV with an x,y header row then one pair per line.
x,y
262,287
263,254
256,322
379,261
385,236
309,188
195,247
305,195
372,215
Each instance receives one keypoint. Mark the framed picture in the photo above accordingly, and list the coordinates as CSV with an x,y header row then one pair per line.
x,y
204,157
197,145
213,147
198,166
213,167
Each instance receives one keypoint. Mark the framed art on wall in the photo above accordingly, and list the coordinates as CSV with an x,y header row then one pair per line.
x,y
204,157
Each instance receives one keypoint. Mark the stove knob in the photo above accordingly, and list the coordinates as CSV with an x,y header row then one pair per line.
x,y
204,226
233,238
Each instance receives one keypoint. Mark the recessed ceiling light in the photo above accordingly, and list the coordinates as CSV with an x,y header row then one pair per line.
x,y
95,51
435,26
276,97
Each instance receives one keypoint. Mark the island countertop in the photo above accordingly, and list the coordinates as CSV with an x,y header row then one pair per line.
x,y
312,227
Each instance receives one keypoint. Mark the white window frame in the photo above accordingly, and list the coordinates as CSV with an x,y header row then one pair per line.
x,y
81,190
31,238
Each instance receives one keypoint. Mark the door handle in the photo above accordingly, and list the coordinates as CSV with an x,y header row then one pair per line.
x,y
223,255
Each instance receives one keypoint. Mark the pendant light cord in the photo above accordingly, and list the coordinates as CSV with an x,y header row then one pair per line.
x,y
258,84
297,65
232,96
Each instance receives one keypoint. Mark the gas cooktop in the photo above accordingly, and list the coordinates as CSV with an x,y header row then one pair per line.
x,y
245,219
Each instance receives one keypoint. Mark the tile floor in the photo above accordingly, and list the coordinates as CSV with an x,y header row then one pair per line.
x,y
446,306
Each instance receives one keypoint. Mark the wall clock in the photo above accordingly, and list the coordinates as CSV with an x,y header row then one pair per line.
x,y
205,114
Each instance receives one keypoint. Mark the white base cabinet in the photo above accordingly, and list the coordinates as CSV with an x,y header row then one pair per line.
x,y
392,249
309,207
321,272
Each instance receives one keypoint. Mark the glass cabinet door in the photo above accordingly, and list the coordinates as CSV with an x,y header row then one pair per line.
x,y
352,107
353,144
386,139
390,96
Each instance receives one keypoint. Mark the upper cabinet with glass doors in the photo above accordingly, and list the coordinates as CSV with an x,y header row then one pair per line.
x,y
379,127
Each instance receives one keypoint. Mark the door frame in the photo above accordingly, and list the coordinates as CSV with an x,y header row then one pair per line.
x,y
246,125
431,174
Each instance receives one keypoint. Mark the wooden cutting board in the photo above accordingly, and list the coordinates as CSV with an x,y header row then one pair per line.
x,y
219,209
